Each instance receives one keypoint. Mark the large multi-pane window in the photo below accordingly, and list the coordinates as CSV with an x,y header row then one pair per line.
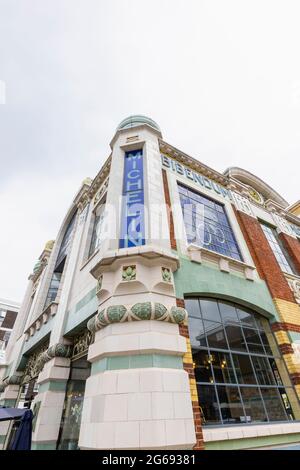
x,y
97,234
206,223
66,241
236,372
60,263
281,257
53,288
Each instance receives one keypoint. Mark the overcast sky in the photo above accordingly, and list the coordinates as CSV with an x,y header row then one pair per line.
x,y
221,78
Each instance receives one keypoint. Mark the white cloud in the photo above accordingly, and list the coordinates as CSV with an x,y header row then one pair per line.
x,y
220,78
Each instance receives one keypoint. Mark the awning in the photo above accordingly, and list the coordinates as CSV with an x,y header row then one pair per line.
x,y
11,413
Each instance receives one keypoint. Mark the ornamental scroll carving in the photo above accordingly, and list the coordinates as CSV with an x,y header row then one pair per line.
x,y
81,343
38,359
136,312
295,288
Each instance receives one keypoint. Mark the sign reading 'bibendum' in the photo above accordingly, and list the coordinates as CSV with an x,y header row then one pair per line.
x,y
195,177
133,224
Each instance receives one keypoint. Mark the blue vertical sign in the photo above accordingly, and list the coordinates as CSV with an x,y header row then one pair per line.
x,y
133,223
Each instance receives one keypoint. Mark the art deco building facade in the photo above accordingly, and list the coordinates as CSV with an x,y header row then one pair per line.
x,y
166,313
8,314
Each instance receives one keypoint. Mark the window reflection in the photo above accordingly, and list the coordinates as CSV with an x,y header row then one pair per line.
x,y
208,404
237,376
253,404
206,223
230,405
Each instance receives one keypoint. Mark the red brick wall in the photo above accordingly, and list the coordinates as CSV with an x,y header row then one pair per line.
x,y
263,257
170,214
292,246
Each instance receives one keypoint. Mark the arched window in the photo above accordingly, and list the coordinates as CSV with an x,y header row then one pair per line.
x,y
237,372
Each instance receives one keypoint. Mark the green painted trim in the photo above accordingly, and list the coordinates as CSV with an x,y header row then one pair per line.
x,y
249,443
294,335
89,296
8,402
137,361
83,310
53,386
199,279
43,445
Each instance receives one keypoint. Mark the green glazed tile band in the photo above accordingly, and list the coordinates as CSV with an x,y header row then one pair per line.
x,y
8,402
137,361
43,445
54,386
193,277
248,443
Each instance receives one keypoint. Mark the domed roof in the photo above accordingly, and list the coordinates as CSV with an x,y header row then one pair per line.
x,y
137,120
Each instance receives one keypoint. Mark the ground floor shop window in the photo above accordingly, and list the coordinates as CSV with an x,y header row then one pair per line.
x,y
238,374
71,418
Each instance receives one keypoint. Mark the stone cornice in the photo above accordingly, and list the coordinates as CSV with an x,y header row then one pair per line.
x,y
134,129
192,163
100,177
147,251
258,184
43,318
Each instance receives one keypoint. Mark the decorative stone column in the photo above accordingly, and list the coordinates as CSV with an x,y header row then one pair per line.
x,y
48,403
138,395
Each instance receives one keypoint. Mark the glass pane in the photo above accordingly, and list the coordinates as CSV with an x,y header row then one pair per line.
x,y
274,243
263,370
222,367
253,341
246,318
215,335
275,371
286,404
208,404
243,369
228,313
71,419
196,331
192,307
210,310
265,342
235,338
202,363
253,404
261,324
273,404
230,403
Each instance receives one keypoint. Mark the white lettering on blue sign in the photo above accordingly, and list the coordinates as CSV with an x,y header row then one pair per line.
x,y
196,177
133,223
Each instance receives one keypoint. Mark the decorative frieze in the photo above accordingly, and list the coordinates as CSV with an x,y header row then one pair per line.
x,y
137,312
49,312
38,359
282,225
81,343
243,204
295,287
101,191
129,273
166,274
99,283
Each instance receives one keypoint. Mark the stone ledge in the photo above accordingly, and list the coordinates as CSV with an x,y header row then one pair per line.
x,y
224,433
225,263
